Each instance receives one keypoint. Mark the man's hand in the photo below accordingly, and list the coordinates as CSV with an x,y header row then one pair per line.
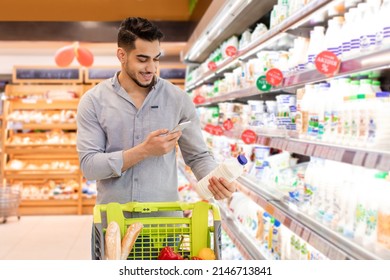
x,y
220,188
160,142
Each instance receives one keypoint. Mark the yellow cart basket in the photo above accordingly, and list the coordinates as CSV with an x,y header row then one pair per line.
x,y
191,231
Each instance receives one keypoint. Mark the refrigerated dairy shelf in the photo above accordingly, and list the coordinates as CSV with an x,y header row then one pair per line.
x,y
298,18
244,243
374,60
330,243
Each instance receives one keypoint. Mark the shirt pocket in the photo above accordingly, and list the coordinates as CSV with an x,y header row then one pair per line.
x,y
162,117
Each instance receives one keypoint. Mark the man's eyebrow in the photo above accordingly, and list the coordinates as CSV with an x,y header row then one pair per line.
x,y
146,56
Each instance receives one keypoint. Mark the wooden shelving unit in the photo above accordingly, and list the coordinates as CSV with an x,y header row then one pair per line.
x,y
30,156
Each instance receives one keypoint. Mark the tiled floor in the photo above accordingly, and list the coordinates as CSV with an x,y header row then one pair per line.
x,y
46,238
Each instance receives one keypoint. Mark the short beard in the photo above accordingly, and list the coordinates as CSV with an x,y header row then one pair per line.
x,y
138,83
141,85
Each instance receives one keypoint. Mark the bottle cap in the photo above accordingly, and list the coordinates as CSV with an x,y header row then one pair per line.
x,y
382,94
277,223
361,96
376,83
381,175
242,159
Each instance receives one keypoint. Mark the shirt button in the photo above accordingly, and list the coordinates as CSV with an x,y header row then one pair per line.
x,y
136,179
137,137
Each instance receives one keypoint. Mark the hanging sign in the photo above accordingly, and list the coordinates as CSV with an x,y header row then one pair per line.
x,y
262,84
212,65
274,77
228,124
231,51
199,99
248,136
327,63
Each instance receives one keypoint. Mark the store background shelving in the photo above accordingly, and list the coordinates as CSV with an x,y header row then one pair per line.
x,y
331,244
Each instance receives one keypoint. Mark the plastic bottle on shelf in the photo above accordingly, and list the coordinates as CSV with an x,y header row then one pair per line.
x,y
276,240
333,35
356,32
383,35
383,231
267,227
229,170
368,32
316,45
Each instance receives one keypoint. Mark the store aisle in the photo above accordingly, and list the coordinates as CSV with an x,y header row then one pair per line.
x,y
46,238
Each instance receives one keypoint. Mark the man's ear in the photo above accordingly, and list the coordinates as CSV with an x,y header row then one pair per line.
x,y
121,54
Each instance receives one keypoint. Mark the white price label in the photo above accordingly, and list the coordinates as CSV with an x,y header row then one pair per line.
x,y
285,144
359,158
318,151
301,148
371,160
339,155
272,142
29,101
384,163
306,234
310,149
325,152
332,153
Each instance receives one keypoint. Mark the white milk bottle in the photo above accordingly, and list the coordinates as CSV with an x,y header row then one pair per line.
x,y
316,45
229,170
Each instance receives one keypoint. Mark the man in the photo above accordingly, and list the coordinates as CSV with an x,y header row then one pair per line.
x,y
123,124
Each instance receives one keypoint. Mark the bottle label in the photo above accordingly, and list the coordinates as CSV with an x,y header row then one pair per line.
x,y
371,130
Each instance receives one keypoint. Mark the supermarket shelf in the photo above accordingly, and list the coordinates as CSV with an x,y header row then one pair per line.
x,y
47,104
246,245
42,126
377,59
40,148
48,207
41,174
369,158
330,243
364,61
272,35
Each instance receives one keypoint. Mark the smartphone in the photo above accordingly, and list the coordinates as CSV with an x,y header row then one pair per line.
x,y
180,126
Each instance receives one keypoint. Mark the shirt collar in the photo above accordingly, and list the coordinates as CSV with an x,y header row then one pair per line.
x,y
116,85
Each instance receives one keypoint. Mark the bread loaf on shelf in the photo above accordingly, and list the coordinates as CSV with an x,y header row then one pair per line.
x,y
113,241
129,239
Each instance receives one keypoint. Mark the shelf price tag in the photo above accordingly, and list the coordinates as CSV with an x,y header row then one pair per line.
x,y
327,63
212,65
318,151
262,84
199,99
228,124
310,149
384,163
274,77
248,136
332,153
371,160
359,158
339,155
231,51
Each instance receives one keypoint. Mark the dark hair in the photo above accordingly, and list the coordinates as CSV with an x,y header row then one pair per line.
x,y
135,27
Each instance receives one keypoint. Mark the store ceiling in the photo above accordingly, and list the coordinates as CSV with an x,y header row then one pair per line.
x,y
95,20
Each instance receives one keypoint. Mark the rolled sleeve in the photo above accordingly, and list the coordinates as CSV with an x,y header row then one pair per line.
x,y
192,145
95,163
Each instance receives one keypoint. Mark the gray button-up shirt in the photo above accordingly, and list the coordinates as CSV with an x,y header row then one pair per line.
x,y
108,123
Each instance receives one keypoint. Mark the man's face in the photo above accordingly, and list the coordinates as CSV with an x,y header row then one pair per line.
x,y
141,63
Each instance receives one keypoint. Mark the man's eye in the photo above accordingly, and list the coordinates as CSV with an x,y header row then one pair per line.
x,y
142,60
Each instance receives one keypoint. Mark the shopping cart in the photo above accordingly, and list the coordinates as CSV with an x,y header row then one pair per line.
x,y
9,202
192,233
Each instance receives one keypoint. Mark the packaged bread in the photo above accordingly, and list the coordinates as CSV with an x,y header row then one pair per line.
x,y
112,240
129,239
